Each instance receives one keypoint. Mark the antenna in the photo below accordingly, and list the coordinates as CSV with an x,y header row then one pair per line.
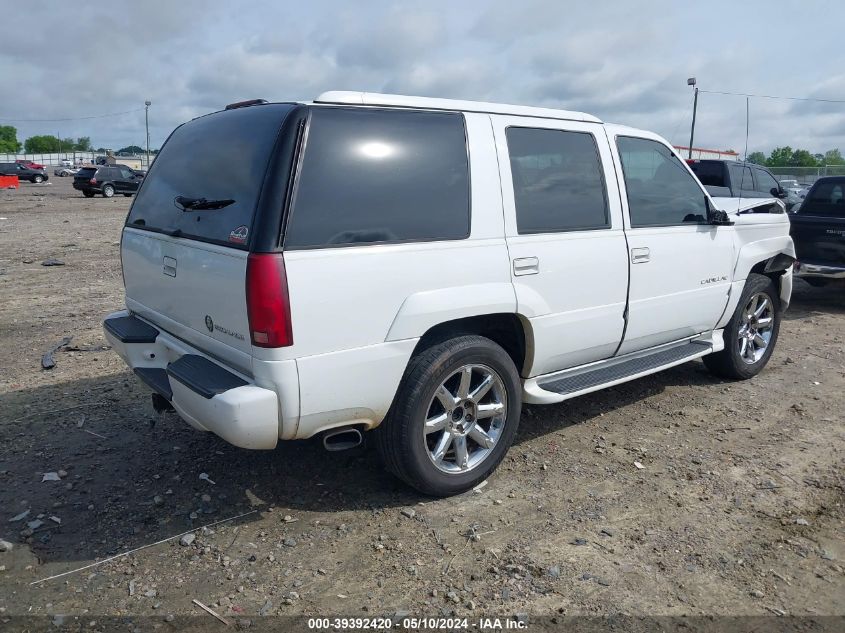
x,y
744,158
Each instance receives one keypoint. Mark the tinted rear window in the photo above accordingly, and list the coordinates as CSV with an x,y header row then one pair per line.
x,y
710,174
372,176
826,198
222,156
86,172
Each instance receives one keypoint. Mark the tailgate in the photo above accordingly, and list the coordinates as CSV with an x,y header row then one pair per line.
x,y
819,240
193,289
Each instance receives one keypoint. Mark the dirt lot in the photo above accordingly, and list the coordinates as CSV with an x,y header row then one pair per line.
x,y
737,511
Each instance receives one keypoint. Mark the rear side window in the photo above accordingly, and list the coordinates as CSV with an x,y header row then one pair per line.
x,y
375,176
86,172
710,174
221,157
825,199
557,180
740,178
661,192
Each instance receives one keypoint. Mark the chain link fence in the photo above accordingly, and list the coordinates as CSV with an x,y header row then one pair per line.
x,y
807,175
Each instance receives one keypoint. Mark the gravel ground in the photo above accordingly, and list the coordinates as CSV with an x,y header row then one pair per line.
x,y
738,509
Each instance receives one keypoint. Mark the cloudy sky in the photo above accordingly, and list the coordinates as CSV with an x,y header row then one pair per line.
x,y
623,61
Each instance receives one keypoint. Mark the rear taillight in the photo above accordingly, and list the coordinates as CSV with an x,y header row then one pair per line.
x,y
267,300
93,181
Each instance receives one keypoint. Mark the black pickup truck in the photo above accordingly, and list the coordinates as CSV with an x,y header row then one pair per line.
x,y
735,179
818,230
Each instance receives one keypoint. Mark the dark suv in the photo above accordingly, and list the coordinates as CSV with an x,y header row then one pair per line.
x,y
23,172
735,179
107,180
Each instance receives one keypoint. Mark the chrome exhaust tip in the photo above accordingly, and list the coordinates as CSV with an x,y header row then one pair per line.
x,y
342,439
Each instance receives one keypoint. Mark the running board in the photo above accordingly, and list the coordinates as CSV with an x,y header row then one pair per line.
x,y
575,382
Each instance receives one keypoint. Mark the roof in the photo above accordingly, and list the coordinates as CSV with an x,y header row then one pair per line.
x,y
428,103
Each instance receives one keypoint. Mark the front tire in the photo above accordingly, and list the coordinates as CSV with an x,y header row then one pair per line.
x,y
108,191
752,332
38,180
454,416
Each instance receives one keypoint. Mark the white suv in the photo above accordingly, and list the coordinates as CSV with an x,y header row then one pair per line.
x,y
421,267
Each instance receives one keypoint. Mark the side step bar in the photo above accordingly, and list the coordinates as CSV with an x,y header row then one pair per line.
x,y
568,384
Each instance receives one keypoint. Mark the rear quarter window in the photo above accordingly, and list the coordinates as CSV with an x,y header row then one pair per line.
x,y
221,156
378,176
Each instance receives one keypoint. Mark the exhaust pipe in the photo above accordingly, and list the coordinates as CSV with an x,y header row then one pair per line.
x,y
342,439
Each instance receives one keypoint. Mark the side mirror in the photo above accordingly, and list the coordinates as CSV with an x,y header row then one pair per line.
x,y
715,216
778,192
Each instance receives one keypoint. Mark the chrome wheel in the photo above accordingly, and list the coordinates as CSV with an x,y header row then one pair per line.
x,y
465,418
756,327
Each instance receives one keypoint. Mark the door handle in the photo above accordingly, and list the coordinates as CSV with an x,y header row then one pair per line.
x,y
526,266
640,255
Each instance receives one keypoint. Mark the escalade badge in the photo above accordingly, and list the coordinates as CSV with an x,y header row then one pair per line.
x,y
209,323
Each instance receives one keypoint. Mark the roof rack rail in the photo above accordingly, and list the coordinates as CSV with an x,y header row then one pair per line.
x,y
244,104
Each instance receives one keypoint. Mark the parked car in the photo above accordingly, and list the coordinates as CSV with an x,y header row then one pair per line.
x,y
106,180
66,162
736,179
421,267
23,172
818,229
65,171
30,165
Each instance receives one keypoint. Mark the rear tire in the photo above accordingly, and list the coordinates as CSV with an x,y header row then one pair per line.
x,y
108,191
454,416
752,332
38,179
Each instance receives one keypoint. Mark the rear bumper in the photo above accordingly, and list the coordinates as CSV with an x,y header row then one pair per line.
x,y
208,395
805,269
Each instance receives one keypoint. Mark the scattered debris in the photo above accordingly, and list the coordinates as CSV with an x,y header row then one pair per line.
x,y
639,465
480,486
19,517
800,521
208,610
6,546
52,261
47,361
205,477
51,477
409,512
187,539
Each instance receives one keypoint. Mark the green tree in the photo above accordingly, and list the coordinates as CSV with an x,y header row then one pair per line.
x,y
9,143
41,144
758,158
130,149
831,157
780,157
802,158
83,144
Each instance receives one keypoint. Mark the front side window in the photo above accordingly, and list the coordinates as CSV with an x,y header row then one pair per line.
x,y
661,192
557,180
765,182
374,176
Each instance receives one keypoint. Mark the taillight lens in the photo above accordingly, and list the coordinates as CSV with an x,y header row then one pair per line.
x,y
93,181
267,300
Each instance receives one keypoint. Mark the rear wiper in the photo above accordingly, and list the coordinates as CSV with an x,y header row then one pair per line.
x,y
199,204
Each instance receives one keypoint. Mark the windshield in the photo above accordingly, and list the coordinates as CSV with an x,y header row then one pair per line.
x,y
220,159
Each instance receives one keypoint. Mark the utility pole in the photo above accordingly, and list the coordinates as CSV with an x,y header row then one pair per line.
x,y
691,82
147,105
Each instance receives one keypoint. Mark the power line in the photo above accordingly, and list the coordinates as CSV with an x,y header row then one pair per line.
x,y
745,94
79,118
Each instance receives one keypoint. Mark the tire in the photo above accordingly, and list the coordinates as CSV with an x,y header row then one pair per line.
x,y
38,179
108,191
410,453
744,357
88,194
